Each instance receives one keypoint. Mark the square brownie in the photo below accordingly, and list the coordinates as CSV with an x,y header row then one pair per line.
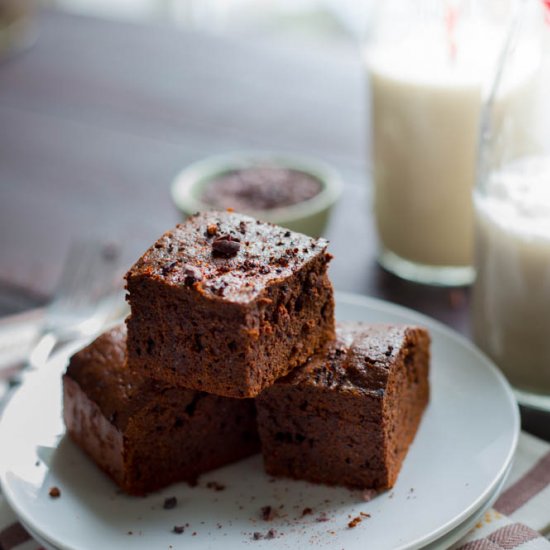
x,y
144,434
348,416
227,304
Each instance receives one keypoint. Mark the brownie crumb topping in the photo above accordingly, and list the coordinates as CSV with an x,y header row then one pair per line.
x,y
191,275
54,492
227,255
168,268
226,246
359,359
178,529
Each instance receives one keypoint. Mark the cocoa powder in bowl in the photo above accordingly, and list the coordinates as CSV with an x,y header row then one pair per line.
x,y
260,188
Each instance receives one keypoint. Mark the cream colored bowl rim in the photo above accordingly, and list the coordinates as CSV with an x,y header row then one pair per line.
x,y
197,174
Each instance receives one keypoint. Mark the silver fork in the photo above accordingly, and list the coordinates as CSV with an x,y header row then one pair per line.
x,y
84,298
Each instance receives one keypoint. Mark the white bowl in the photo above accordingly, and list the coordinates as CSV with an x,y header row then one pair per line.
x,y
309,216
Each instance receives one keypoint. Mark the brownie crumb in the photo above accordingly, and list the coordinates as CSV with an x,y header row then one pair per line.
x,y
191,275
355,522
226,246
168,268
271,534
178,529
211,229
364,515
321,517
170,502
307,512
267,513
214,485
54,492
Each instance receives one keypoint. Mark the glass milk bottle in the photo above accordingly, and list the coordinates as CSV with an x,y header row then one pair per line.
x,y
428,65
511,296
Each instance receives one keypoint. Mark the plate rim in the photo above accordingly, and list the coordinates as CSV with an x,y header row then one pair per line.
x,y
464,527
375,304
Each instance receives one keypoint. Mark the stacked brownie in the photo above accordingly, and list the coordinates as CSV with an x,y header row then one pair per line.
x,y
226,304
230,315
146,434
348,416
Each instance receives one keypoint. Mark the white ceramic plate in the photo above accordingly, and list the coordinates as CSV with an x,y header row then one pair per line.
x,y
443,543
461,453
460,531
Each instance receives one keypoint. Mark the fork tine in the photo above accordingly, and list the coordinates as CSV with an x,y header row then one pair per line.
x,y
86,279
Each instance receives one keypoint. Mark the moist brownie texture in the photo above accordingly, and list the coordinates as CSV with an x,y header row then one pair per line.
x,y
348,416
226,304
142,433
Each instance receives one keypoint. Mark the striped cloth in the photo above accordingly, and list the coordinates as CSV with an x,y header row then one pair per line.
x,y
522,512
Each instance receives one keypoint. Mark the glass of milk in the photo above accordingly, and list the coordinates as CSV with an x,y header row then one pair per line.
x,y
511,295
429,66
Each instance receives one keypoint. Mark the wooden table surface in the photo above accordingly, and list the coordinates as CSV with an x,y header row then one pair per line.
x,y
98,117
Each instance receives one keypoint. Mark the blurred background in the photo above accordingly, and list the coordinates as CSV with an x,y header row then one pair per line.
x,y
103,102
327,23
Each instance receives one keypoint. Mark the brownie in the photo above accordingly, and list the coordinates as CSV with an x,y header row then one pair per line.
x,y
348,416
142,433
227,304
